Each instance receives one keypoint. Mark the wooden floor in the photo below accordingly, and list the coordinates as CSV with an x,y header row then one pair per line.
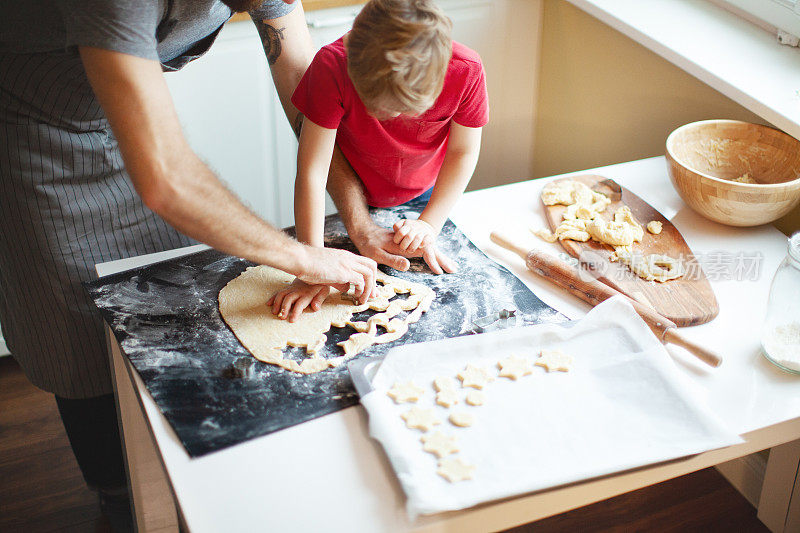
x,y
41,488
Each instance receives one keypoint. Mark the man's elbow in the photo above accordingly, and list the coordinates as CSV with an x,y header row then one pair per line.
x,y
157,188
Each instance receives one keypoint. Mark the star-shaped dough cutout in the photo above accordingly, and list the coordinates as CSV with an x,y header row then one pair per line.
x,y
475,397
444,383
454,469
439,444
405,392
461,419
474,376
514,367
447,397
554,360
419,418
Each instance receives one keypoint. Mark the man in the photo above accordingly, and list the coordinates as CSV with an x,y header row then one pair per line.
x,y
94,167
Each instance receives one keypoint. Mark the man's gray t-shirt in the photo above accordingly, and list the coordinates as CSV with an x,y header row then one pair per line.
x,y
152,29
66,202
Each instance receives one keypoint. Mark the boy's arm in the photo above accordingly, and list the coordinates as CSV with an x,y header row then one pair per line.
x,y
463,150
415,236
313,161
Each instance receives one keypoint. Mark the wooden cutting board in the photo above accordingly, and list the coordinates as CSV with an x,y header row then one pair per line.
x,y
687,301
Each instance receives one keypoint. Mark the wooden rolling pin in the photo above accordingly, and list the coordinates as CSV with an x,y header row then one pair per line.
x,y
592,291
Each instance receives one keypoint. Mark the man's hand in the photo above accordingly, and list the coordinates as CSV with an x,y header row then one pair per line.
x,y
411,235
290,303
377,243
339,268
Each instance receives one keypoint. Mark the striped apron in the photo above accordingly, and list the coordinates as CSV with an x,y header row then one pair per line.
x,y
66,203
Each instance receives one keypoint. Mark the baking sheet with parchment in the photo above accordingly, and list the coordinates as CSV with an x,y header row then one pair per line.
x,y
623,405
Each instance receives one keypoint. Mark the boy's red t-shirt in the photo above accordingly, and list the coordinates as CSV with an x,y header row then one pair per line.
x,y
400,158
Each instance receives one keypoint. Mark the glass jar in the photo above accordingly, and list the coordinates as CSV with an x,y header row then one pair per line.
x,y
780,336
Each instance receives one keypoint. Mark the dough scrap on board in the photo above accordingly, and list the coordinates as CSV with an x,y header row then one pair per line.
x,y
242,304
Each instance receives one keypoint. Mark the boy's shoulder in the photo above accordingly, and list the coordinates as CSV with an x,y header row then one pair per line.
x,y
332,52
466,54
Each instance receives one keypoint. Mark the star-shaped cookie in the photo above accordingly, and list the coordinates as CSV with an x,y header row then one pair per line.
x,y
419,418
514,367
476,397
405,392
461,419
447,397
439,444
474,376
554,360
454,469
444,383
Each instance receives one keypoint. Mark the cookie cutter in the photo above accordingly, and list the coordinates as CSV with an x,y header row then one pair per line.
x,y
239,369
505,318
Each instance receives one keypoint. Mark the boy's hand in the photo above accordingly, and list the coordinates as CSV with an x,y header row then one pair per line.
x,y
290,303
412,235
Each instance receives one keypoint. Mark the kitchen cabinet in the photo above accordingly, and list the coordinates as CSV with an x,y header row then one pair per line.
x,y
232,118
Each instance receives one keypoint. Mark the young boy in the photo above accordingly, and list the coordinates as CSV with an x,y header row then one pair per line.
x,y
405,104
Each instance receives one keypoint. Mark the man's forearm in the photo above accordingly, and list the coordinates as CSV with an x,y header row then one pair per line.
x,y
197,204
347,193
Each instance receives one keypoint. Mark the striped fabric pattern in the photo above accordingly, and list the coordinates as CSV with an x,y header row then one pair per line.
x,y
66,203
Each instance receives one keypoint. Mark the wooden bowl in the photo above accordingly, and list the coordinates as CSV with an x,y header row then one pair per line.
x,y
704,157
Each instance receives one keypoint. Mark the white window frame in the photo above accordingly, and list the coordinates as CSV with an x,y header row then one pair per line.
x,y
772,15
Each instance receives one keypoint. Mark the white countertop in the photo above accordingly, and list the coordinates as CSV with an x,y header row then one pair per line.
x,y
328,475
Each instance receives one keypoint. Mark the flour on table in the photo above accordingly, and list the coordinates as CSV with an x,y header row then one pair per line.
x,y
242,304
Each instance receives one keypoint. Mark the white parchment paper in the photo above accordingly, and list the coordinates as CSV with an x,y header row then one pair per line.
x,y
623,405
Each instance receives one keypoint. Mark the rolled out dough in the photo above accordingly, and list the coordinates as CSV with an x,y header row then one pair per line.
x,y
242,304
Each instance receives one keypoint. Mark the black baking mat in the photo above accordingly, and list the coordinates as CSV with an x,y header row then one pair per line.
x,y
166,319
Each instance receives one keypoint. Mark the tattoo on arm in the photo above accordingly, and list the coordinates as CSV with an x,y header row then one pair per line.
x,y
271,40
298,124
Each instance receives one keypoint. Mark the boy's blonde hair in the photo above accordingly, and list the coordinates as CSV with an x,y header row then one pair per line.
x,y
397,54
